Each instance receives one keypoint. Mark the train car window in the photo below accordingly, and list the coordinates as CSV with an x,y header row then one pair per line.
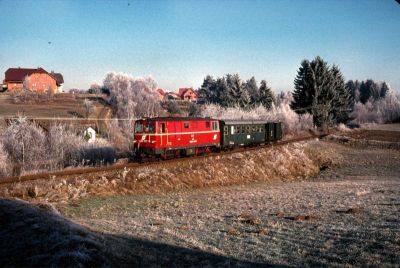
x,y
226,130
254,129
138,127
163,130
260,129
215,125
186,125
237,129
247,129
232,130
207,124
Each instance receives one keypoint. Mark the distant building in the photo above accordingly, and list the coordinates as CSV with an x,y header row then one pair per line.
x,y
33,79
187,94
171,96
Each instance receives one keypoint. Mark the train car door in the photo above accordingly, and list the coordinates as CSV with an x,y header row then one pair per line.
x,y
178,133
164,134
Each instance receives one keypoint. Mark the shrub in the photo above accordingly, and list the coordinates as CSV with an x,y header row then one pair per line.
x,y
98,152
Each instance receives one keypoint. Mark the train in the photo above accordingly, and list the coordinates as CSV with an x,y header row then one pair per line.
x,y
171,137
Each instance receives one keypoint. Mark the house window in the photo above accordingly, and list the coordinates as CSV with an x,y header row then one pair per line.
x,y
186,125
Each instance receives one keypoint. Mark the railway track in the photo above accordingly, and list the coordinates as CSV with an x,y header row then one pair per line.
x,y
89,170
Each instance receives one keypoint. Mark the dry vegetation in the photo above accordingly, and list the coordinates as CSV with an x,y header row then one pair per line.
x,y
308,204
283,163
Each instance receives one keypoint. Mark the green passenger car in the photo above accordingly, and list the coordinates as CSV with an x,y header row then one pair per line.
x,y
247,133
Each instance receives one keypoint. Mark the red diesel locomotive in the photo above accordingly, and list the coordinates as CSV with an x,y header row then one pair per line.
x,y
172,137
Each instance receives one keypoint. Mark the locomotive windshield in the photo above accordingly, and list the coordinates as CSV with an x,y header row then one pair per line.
x,y
138,127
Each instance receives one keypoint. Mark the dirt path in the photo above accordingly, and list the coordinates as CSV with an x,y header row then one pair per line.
x,y
347,215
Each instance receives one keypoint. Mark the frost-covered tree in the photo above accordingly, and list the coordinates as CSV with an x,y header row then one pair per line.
x,y
64,146
25,142
5,164
132,98
319,91
266,96
88,104
384,110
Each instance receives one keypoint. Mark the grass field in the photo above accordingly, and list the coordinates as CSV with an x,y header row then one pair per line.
x,y
63,105
267,208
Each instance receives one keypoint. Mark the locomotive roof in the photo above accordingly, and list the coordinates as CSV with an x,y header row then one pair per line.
x,y
177,118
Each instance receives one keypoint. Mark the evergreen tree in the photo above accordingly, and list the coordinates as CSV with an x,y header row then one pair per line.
x,y
207,89
340,96
223,97
267,97
304,91
384,90
320,91
252,89
237,91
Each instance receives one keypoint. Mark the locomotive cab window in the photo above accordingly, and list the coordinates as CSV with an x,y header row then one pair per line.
x,y
150,127
138,127
186,125
214,125
207,124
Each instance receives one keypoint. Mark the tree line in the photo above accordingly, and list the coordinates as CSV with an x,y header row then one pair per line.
x,y
319,90
230,90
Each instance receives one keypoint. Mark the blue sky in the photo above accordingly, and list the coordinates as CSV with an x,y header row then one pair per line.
x,y
179,42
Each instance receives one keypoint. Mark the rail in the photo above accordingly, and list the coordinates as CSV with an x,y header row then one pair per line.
x,y
88,170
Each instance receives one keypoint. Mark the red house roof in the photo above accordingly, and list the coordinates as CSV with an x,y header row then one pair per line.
x,y
19,74
182,91
59,78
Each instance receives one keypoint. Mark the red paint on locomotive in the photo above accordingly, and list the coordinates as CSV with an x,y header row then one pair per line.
x,y
160,136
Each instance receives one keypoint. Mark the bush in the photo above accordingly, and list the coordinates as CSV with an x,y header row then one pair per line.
x,y
98,152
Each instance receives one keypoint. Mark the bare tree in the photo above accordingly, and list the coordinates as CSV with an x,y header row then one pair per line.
x,y
5,164
25,143
88,107
132,98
